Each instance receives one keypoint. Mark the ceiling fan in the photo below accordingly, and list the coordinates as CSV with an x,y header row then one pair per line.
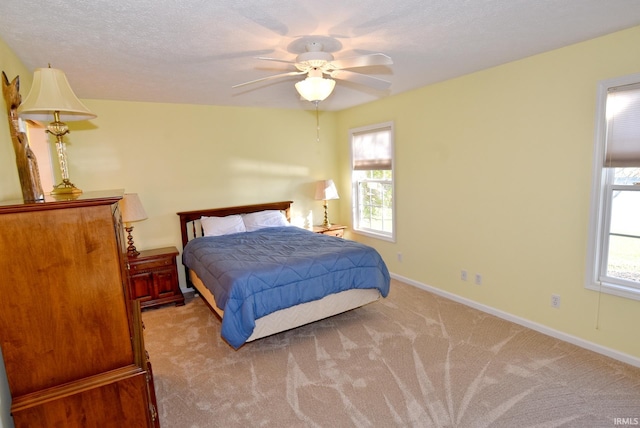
x,y
316,63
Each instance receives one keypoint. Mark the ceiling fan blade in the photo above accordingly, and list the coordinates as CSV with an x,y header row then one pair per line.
x,y
361,61
361,79
275,59
275,76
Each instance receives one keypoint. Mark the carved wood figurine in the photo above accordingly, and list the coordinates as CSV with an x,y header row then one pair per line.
x,y
25,158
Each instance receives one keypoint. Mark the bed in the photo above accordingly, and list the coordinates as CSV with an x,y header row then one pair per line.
x,y
262,276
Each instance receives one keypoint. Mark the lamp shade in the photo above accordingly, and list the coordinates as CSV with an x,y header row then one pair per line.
x,y
51,92
315,88
131,208
326,190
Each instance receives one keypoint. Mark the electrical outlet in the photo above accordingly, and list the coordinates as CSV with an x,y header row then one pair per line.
x,y
463,275
555,301
400,257
478,279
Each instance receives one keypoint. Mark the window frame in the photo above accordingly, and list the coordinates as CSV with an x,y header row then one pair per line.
x,y
355,218
602,188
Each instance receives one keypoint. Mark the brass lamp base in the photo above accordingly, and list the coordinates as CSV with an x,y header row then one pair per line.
x,y
325,222
59,129
65,188
131,249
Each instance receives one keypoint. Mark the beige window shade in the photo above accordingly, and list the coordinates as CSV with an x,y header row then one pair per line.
x,y
372,150
623,127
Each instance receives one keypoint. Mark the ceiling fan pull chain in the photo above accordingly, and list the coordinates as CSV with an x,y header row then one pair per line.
x,y
317,123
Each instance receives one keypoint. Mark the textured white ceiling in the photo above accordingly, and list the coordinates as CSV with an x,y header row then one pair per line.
x,y
193,51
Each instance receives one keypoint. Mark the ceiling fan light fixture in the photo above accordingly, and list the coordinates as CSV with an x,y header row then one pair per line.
x,y
315,88
317,62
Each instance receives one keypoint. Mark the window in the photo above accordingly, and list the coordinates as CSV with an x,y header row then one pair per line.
x,y
372,179
614,232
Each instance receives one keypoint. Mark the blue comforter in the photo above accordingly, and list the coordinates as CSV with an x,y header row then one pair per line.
x,y
253,274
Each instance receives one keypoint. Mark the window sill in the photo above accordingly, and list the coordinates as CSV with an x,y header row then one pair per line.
x,y
616,290
373,234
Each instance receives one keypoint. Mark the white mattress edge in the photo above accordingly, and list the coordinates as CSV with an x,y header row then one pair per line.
x,y
298,315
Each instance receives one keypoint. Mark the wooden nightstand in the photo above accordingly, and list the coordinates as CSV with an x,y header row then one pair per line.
x,y
153,277
333,230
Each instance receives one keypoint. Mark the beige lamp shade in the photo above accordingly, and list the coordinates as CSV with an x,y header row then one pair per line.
x,y
326,190
131,208
50,92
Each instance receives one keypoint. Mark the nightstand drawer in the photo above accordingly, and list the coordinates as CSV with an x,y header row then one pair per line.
x,y
150,265
153,277
336,230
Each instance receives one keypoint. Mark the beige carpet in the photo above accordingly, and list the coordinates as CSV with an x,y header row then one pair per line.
x,y
413,359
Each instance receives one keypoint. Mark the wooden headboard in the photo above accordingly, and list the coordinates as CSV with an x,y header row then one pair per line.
x,y
190,220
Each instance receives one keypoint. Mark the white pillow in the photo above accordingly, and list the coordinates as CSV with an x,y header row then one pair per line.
x,y
216,226
262,219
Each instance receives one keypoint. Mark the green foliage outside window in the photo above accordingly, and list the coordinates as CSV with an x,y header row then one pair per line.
x,y
623,257
375,196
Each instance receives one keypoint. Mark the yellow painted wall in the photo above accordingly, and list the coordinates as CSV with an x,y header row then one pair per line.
x,y
493,175
183,157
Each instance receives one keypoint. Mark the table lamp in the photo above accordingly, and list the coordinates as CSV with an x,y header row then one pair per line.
x,y
132,211
52,100
325,191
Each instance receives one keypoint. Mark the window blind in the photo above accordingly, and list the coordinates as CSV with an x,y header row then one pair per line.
x,y
372,150
623,127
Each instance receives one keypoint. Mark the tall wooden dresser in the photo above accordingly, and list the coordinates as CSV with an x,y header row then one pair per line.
x,y
71,336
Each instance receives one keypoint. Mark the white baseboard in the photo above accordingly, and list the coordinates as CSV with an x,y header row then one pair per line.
x,y
612,353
